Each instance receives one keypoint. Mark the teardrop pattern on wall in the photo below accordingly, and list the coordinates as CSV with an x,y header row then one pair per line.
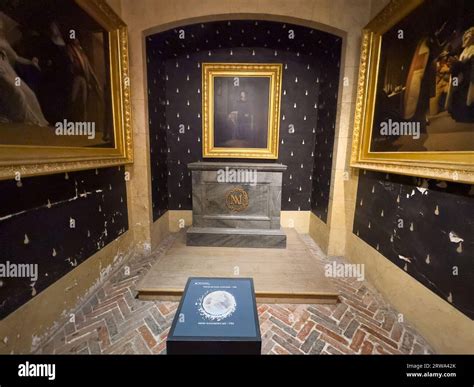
x,y
36,226
421,231
310,62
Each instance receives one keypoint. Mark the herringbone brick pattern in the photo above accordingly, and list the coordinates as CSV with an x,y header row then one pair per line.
x,y
113,321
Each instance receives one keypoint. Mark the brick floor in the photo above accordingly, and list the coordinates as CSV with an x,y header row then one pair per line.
x,y
113,321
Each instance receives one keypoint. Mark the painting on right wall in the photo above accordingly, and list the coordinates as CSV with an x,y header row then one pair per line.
x,y
415,104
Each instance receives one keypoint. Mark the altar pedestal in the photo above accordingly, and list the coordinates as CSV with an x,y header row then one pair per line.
x,y
236,205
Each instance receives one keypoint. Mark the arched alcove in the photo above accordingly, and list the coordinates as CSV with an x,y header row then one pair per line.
x,y
311,62
146,19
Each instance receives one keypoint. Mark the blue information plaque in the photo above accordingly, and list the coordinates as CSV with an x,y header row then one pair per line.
x,y
216,316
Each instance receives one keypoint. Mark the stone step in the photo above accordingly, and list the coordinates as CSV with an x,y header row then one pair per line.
x,y
235,237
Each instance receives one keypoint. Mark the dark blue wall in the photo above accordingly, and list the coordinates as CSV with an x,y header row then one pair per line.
x,y
431,211
311,65
35,226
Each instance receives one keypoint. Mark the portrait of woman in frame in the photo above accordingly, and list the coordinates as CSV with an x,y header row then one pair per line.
x,y
64,87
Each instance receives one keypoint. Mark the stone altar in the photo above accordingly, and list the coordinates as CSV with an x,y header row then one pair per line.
x,y
236,205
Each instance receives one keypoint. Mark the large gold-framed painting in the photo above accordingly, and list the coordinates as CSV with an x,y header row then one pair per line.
x,y
241,110
415,104
64,87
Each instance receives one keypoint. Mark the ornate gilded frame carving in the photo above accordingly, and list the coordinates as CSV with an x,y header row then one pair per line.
x,y
452,166
212,70
22,161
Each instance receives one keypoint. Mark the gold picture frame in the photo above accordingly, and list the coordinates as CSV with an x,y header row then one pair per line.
x,y
442,165
241,127
18,161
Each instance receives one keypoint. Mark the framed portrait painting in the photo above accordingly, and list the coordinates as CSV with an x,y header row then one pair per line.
x,y
64,87
415,104
241,110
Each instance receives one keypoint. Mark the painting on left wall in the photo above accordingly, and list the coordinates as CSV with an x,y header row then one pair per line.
x,y
62,82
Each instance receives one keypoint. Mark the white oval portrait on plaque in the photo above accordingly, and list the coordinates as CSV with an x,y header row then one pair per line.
x,y
218,305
